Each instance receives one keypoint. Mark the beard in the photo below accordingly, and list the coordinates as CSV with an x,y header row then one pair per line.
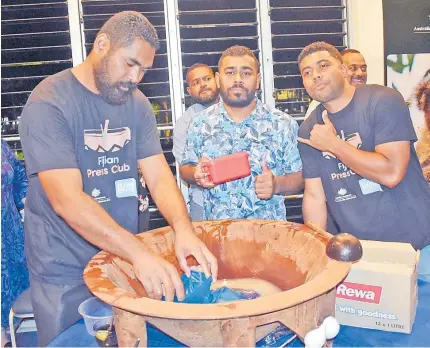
x,y
237,100
111,92
208,100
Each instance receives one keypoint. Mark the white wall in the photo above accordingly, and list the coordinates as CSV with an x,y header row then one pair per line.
x,y
366,34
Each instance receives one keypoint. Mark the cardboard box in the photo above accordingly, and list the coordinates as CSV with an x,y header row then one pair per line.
x,y
380,291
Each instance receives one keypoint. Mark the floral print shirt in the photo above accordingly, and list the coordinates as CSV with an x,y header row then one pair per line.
x,y
267,134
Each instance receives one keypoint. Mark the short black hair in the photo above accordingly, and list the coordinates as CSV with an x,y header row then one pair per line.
x,y
124,27
349,50
195,66
318,47
238,51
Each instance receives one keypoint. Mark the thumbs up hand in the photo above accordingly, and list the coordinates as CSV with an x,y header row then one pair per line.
x,y
265,183
322,136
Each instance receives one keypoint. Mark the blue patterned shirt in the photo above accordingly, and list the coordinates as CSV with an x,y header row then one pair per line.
x,y
267,134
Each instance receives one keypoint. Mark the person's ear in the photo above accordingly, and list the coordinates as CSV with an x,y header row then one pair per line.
x,y
188,90
258,80
102,44
217,76
344,69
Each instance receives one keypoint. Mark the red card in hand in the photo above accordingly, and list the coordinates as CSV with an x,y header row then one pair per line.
x,y
228,168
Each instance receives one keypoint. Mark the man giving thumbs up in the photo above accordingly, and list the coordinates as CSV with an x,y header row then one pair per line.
x,y
240,122
358,155
265,183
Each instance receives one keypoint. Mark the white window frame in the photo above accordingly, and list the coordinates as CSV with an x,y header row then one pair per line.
x,y
77,37
177,93
266,57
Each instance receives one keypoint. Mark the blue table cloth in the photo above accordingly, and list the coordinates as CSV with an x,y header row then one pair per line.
x,y
77,335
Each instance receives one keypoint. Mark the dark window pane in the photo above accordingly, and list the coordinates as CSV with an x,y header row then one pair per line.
x,y
22,84
319,26
35,40
217,17
41,25
9,13
304,3
304,40
35,44
208,5
208,27
29,2
36,55
285,14
14,99
296,24
33,70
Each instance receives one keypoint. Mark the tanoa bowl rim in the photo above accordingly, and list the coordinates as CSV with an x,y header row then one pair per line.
x,y
333,273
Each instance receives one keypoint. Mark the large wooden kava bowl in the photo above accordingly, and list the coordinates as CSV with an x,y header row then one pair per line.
x,y
289,255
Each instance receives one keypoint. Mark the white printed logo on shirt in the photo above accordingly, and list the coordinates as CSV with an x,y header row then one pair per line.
x,y
97,195
105,139
108,143
126,188
368,186
343,195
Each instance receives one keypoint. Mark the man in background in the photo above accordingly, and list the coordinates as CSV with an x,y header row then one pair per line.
x,y
204,92
242,123
356,74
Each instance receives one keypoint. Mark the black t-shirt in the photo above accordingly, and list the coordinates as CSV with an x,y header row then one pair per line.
x,y
376,115
64,125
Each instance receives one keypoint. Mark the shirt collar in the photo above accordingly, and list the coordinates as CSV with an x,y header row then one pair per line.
x,y
260,110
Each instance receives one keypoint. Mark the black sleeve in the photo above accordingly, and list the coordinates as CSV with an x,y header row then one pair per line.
x,y
392,119
46,139
311,157
148,142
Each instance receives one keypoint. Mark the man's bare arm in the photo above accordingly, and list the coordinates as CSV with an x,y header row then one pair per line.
x,y
314,203
289,184
85,216
64,190
169,200
387,165
187,173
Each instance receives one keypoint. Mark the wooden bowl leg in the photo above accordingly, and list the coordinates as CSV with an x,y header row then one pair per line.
x,y
238,333
129,327
308,315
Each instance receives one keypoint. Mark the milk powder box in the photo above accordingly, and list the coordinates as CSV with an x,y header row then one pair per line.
x,y
380,291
